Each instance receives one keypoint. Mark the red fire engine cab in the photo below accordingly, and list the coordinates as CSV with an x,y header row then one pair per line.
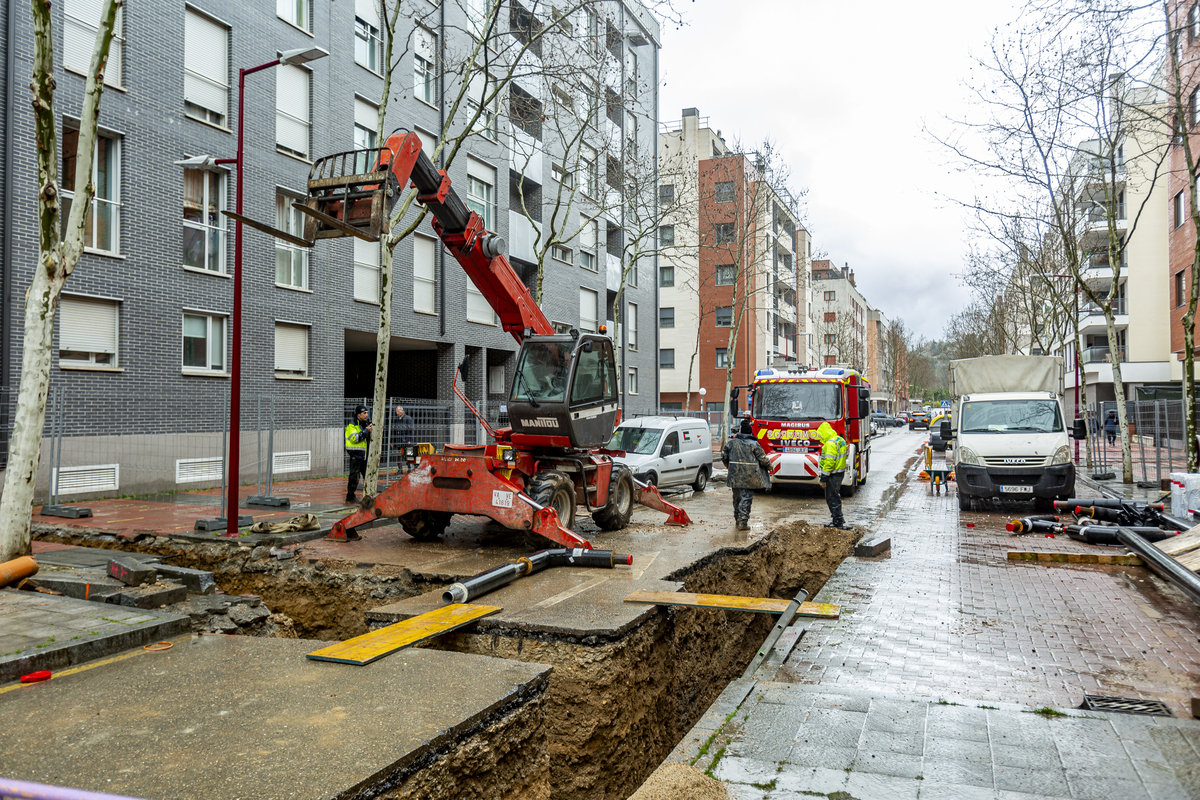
x,y
787,407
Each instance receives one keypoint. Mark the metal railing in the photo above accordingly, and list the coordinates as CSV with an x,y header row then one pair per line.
x,y
1102,355
1157,438
1119,307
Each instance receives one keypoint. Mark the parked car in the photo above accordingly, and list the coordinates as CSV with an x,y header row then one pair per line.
x,y
935,433
666,451
886,420
919,419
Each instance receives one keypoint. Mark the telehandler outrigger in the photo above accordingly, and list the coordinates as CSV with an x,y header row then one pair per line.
x,y
563,405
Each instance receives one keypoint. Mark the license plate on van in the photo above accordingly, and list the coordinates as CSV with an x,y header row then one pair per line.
x,y
1017,489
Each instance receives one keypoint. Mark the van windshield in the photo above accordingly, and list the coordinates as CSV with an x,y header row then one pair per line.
x,y
642,441
798,401
1011,416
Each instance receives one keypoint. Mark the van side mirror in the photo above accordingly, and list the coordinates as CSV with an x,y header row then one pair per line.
x,y
1079,429
668,450
864,403
945,432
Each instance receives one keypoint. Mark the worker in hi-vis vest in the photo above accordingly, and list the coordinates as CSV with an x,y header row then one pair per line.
x,y
358,434
831,470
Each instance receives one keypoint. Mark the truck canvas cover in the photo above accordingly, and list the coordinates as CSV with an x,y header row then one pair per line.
x,y
1006,374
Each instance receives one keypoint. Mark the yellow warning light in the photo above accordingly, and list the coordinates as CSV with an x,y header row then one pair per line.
x,y
603,330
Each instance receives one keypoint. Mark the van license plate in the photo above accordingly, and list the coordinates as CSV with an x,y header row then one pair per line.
x,y
1017,489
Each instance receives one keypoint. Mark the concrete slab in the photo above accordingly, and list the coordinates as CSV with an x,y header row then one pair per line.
x,y
87,557
235,716
40,631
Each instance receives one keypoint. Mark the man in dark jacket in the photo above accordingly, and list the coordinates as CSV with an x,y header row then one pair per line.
x,y
404,433
749,469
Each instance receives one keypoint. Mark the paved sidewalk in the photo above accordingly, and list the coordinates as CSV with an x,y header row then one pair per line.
x,y
926,685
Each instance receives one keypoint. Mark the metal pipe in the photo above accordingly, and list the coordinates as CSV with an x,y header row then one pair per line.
x,y
493,579
271,451
785,619
1105,502
53,437
258,424
40,791
1162,564
1107,534
1042,524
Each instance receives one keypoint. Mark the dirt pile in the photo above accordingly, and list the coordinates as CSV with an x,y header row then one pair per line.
x,y
678,781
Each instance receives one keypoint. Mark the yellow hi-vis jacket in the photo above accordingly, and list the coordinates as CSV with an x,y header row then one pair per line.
x,y
357,436
833,450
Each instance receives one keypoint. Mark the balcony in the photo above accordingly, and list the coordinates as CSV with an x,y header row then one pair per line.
x,y
612,274
1101,355
521,237
1095,233
525,156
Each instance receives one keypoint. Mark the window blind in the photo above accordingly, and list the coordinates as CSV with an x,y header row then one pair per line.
x,y
205,63
291,348
424,275
87,325
368,11
291,103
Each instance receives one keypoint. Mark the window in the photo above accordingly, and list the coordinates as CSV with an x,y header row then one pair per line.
x,y
667,408
424,275
631,326
722,358
561,253
481,191
831,338
203,343
291,110
1178,208
368,46
631,386
631,276
724,191
101,229
724,316
666,276
205,68
560,175
589,310
297,12
563,101
1179,288
724,233
725,275
81,20
291,261
666,235
424,57
525,111
587,246
587,170
715,408
666,194
666,317
830,360
666,359
829,296
291,350
1193,23
366,271
478,308
203,223
831,316
366,117
1194,105
88,328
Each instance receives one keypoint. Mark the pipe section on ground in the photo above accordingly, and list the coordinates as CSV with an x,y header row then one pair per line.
x,y
1105,502
500,576
1161,563
1107,534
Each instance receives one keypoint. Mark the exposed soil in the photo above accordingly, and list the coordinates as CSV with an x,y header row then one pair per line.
x,y
679,781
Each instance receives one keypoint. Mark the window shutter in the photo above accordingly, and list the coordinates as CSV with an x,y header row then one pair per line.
x,y
482,171
424,44
428,142
478,308
206,63
587,236
291,101
424,275
82,20
87,325
365,115
366,271
631,326
588,310
368,11
291,348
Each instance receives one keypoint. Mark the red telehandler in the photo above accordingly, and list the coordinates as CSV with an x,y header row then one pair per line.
x,y
563,405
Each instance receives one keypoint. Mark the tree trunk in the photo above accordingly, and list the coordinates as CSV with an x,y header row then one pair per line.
x,y
383,342
1119,394
1189,377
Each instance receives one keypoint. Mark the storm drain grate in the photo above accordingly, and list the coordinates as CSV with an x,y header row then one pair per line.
x,y
1126,705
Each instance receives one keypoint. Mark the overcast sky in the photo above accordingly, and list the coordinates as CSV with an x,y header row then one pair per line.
x,y
845,89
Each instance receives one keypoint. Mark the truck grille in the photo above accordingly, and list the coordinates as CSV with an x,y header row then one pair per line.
x,y
1013,462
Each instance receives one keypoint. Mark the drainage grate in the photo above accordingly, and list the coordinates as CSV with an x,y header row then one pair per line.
x,y
1126,705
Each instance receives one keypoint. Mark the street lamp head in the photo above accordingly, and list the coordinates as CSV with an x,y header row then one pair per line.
x,y
197,162
302,55
703,391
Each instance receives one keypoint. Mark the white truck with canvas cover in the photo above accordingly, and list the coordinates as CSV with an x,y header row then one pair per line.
x,y
1009,429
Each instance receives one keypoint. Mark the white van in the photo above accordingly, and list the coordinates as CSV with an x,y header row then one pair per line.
x,y
666,451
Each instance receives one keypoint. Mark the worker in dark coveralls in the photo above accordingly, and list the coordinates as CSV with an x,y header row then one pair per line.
x,y
831,470
749,469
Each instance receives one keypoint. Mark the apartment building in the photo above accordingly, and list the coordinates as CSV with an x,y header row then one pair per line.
x,y
882,371
839,317
734,255
1181,237
143,332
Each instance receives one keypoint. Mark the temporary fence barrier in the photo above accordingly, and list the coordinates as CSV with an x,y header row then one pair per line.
x,y
1157,438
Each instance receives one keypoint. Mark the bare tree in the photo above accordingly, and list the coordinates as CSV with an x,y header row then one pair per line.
x,y
59,250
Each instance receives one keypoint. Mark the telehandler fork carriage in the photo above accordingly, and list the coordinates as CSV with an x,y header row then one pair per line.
x,y
563,403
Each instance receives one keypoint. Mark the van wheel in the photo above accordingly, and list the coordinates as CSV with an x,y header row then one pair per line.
x,y
964,502
615,515
651,479
701,480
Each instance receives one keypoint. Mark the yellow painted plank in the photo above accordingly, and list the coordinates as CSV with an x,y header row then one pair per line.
x,y
759,605
1076,558
362,650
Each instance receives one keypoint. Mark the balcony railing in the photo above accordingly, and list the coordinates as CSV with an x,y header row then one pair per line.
x,y
1101,355
1119,307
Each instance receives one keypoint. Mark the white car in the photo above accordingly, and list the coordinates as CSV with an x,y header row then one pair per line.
x,y
666,451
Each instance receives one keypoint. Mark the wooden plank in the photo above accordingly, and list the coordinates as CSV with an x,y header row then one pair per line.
x,y
758,605
1185,542
1077,558
362,650
1190,561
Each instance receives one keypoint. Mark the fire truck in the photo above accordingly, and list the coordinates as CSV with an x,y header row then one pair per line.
x,y
787,407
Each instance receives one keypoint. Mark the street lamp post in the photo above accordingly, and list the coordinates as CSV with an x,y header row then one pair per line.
x,y
301,55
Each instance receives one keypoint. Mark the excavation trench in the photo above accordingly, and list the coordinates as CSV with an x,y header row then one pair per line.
x,y
616,705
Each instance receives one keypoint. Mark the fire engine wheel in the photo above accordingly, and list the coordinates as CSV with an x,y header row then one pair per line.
x,y
616,514
425,525
554,489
